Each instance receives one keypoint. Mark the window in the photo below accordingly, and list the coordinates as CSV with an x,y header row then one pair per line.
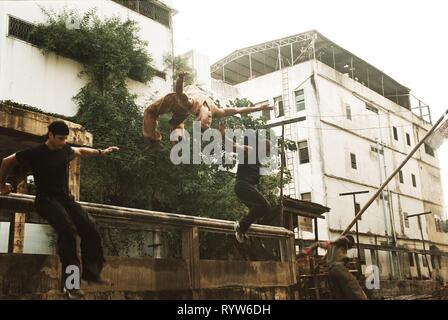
x,y
300,100
424,261
395,133
305,223
151,9
414,183
411,259
21,30
278,103
429,150
306,196
371,108
373,256
353,161
304,156
375,149
406,220
408,139
348,111
400,176
357,209
435,262
384,195
437,223
362,256
417,259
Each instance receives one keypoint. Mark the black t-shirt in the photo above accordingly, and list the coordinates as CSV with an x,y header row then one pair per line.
x,y
249,172
49,168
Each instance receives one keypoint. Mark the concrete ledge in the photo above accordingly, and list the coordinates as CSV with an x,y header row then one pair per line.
x,y
29,276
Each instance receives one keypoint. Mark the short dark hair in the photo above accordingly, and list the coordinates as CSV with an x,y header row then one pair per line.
x,y
351,240
59,127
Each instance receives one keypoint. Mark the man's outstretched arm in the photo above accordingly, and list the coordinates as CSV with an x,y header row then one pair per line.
x,y
320,244
226,112
90,152
235,146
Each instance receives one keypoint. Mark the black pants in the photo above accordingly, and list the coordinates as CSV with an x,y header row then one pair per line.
x,y
259,207
343,285
69,219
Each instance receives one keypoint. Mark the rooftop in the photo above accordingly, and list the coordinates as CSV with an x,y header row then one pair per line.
x,y
254,61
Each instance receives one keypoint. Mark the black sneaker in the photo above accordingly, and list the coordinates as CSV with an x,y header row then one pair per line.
x,y
240,237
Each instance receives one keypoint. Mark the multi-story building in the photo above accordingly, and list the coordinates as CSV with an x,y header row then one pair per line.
x,y
353,126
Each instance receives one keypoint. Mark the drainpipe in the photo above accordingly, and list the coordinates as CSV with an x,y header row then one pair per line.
x,y
389,258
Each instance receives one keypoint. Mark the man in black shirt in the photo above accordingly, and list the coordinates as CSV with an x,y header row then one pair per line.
x,y
49,163
246,184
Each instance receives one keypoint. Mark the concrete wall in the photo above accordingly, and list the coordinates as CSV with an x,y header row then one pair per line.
x,y
338,91
50,81
201,66
38,276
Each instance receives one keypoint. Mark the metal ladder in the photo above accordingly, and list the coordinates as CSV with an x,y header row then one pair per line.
x,y
290,188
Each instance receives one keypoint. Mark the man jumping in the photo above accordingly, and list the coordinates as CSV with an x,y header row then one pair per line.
x,y
180,104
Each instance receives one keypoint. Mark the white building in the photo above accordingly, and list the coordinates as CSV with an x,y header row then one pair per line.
x,y
355,125
50,81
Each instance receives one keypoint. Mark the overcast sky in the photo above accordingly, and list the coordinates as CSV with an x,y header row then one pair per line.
x,y
406,39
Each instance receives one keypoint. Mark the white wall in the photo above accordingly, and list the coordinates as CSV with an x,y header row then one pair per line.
x,y
337,91
50,82
201,66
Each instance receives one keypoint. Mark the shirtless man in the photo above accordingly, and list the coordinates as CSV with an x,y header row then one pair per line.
x,y
181,104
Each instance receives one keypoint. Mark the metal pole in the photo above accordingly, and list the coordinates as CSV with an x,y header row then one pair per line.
x,y
315,269
367,205
357,237
423,239
424,247
358,248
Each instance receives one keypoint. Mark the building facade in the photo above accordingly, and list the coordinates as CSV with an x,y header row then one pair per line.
x,y
353,126
49,82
